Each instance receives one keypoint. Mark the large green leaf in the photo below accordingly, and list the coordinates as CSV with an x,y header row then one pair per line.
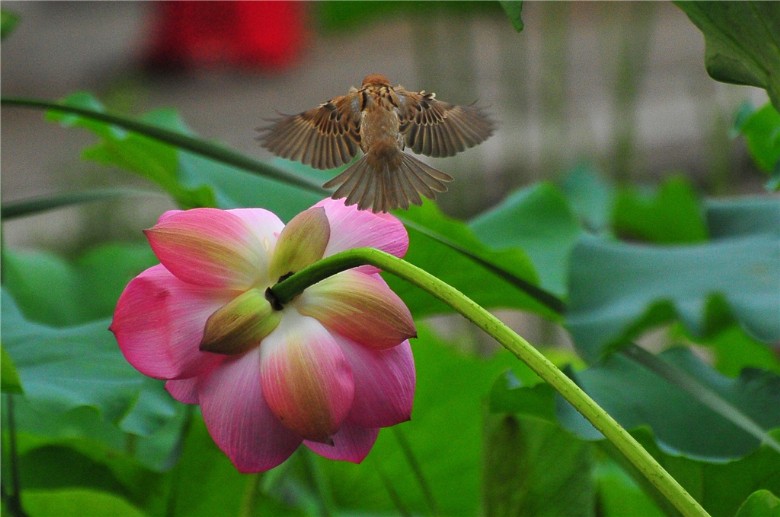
x,y
636,396
533,467
619,496
537,220
761,129
734,350
619,290
672,215
498,278
719,464
761,503
87,464
514,10
51,290
590,197
66,368
721,487
742,42
77,502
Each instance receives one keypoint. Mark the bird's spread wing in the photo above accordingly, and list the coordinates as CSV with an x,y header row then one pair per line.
x,y
435,128
324,137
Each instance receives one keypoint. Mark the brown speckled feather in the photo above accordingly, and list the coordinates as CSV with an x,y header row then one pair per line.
x,y
325,137
435,128
381,120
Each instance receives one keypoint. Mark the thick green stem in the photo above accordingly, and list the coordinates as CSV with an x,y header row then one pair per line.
x,y
291,287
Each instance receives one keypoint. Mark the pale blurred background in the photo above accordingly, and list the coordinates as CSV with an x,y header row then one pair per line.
x,y
620,86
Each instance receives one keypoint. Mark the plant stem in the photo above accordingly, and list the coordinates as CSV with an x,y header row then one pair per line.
x,y
180,140
249,500
291,287
14,500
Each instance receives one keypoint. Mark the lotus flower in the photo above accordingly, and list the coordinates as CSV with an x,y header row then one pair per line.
x,y
328,369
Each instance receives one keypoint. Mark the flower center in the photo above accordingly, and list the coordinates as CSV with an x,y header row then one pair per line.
x,y
271,297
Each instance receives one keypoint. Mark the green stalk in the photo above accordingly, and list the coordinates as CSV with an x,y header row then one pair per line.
x,y
251,493
196,145
291,287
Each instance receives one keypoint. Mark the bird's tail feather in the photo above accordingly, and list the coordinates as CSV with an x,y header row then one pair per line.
x,y
386,189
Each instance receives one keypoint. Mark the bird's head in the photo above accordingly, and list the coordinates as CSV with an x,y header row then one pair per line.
x,y
375,80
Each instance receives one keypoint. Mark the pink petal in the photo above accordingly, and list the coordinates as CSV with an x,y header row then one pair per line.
x,y
238,418
384,384
264,224
183,390
353,228
211,248
306,378
159,322
351,443
361,307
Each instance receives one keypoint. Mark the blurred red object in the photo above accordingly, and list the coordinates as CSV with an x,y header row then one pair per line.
x,y
193,34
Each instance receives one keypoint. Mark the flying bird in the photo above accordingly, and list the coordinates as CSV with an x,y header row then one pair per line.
x,y
381,120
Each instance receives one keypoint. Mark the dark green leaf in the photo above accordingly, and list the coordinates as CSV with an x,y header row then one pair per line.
x,y
498,278
682,423
640,399
39,281
761,129
86,431
513,9
734,350
8,22
535,468
590,198
88,464
509,396
618,290
68,368
538,221
619,496
742,42
51,290
77,502
673,215
721,487
743,217
8,374
761,503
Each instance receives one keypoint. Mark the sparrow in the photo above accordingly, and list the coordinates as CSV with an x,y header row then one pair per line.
x,y
380,120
